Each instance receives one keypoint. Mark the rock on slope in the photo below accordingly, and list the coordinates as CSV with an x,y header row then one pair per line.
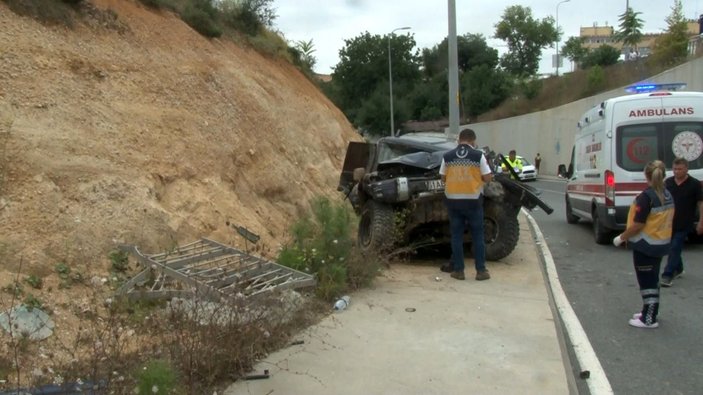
x,y
152,135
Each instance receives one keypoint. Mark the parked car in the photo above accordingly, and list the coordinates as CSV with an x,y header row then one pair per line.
x,y
529,171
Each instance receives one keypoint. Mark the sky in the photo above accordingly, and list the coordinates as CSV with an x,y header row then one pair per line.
x,y
329,22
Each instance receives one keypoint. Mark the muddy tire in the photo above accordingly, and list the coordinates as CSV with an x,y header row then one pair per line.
x,y
570,217
376,225
601,234
501,231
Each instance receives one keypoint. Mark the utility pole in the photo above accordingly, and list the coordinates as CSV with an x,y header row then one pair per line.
x,y
627,50
453,74
557,44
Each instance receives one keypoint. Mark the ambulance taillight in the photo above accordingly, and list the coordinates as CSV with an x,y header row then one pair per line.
x,y
609,188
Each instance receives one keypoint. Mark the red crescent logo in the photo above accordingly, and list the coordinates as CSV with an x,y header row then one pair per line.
x,y
631,150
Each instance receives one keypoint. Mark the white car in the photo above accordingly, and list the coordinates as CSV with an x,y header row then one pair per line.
x,y
529,171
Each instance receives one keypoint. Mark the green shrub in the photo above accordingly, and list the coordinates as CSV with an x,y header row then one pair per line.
x,y
531,88
430,112
119,260
157,377
32,302
154,3
271,43
15,289
603,56
595,79
67,277
322,245
50,12
63,270
202,16
34,281
250,17
362,268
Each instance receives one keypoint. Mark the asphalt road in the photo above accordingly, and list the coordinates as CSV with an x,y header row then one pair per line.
x,y
600,283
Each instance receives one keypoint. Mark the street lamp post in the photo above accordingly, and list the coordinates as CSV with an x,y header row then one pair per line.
x,y
557,22
390,74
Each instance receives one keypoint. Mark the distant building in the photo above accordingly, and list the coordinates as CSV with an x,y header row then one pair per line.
x,y
595,36
324,77
695,43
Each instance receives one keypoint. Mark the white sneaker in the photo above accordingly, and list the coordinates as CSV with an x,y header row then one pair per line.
x,y
637,316
637,323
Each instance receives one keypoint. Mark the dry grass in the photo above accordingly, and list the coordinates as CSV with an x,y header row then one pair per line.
x,y
112,342
573,86
7,119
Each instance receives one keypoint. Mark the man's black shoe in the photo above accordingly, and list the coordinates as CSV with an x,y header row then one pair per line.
x,y
458,275
447,268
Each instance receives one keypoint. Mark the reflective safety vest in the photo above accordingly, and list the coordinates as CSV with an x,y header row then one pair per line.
x,y
516,165
463,173
655,238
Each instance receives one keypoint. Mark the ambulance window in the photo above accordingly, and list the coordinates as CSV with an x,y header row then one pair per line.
x,y
685,140
637,145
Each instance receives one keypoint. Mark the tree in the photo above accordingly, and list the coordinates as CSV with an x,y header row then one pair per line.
x,y
472,50
672,46
526,37
306,49
603,56
373,113
429,99
630,33
362,74
483,88
574,50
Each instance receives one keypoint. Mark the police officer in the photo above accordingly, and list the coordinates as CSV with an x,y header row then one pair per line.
x,y
515,163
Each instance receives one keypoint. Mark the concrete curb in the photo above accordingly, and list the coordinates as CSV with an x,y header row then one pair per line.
x,y
590,367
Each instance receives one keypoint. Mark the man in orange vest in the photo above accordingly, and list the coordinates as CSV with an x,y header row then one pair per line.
x,y
464,170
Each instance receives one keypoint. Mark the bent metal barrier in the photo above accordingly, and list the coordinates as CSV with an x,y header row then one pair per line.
x,y
206,267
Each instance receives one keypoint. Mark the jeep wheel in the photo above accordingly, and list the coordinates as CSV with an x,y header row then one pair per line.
x,y
570,217
376,227
501,231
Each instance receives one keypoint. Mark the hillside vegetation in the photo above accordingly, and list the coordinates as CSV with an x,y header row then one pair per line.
x,y
572,86
153,135
141,131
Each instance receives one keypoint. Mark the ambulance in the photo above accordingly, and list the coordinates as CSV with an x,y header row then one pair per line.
x,y
614,142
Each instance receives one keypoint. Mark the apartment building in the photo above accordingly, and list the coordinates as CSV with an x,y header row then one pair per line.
x,y
595,36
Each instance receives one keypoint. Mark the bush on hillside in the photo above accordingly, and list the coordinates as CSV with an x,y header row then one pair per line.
x,y
603,56
322,245
155,3
201,16
250,17
596,80
50,12
530,88
270,43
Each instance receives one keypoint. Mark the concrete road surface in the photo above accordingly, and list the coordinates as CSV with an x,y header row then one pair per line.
x,y
418,331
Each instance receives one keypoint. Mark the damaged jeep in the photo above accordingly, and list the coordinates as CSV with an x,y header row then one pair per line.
x,y
395,188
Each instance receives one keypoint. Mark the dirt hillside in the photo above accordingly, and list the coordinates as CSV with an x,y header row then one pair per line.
x,y
150,134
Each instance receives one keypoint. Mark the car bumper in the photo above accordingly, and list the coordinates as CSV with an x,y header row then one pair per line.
x,y
529,176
